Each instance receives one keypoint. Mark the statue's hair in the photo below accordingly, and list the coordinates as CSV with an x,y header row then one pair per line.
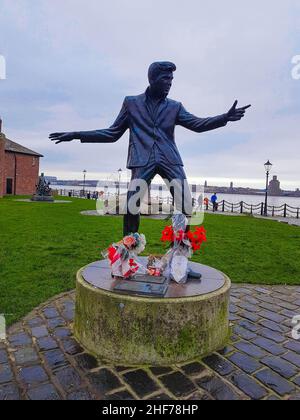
x,y
160,67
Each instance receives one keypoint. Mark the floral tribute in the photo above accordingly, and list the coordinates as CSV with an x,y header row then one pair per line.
x,y
193,240
183,243
122,255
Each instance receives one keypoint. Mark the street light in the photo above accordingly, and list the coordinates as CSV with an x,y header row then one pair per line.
x,y
119,192
268,167
119,185
84,176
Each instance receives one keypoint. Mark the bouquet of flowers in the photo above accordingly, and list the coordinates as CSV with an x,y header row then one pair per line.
x,y
122,255
192,240
183,244
155,265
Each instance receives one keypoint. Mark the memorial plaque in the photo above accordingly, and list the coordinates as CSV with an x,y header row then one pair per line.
x,y
149,279
143,285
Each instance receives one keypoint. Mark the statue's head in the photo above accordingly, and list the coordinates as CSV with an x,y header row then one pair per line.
x,y
160,76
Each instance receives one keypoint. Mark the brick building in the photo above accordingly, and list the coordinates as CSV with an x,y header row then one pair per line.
x,y
19,168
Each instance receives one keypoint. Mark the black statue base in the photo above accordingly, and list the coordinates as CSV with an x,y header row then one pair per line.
x,y
143,285
43,198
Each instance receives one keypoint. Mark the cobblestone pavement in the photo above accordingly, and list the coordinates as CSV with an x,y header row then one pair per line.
x,y
42,361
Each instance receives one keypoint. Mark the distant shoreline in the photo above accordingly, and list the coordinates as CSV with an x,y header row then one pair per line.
x,y
208,190
262,194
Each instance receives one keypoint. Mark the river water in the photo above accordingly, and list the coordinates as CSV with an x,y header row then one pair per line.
x,y
231,198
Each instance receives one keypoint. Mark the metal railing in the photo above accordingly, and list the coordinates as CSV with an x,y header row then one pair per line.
x,y
95,195
285,210
76,193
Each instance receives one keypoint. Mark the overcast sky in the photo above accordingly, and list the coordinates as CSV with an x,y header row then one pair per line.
x,y
70,63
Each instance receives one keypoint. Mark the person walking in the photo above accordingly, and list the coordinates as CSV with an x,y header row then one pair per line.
x,y
200,202
206,203
214,200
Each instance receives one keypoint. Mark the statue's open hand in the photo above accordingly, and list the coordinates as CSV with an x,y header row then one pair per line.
x,y
61,137
236,114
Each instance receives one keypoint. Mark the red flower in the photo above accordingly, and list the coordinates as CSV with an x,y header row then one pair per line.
x,y
190,235
113,254
200,234
167,234
195,246
196,238
180,236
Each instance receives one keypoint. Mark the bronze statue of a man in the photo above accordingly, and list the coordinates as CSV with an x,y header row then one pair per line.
x,y
151,118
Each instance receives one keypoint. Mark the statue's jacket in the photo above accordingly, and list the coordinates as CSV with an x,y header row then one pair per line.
x,y
147,128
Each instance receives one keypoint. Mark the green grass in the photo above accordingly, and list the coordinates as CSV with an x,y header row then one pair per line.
x,y
43,245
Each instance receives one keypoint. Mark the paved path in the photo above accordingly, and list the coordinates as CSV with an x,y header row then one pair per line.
x,y
41,359
288,220
97,213
27,200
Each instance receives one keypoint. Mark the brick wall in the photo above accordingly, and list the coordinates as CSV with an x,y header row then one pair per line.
x,y
23,168
2,163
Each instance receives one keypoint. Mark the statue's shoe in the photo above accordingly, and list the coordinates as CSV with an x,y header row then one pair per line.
x,y
192,275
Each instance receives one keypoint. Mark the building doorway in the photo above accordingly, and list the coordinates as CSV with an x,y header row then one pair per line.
x,y
9,186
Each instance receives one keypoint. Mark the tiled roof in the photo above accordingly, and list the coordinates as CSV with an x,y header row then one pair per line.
x,y
11,146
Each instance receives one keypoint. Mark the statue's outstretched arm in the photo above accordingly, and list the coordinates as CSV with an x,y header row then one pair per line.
x,y
200,125
109,135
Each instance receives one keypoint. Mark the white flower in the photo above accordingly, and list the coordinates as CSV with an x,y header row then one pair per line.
x,y
142,244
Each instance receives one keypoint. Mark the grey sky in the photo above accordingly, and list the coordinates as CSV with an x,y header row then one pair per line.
x,y
70,64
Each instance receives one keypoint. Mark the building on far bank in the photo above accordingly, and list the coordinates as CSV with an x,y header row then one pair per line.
x,y
19,168
274,186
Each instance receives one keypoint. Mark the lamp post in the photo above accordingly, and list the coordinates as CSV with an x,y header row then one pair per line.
x,y
119,191
119,184
84,176
268,167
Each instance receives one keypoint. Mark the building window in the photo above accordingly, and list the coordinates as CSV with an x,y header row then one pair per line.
x,y
33,161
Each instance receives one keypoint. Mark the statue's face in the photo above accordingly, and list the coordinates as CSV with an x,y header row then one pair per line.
x,y
163,84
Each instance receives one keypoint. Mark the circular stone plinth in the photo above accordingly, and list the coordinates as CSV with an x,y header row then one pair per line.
x,y
102,214
191,321
27,200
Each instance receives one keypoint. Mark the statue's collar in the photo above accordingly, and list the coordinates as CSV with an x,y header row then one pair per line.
x,y
148,95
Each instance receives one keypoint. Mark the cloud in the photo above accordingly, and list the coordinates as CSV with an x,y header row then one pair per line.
x,y
69,65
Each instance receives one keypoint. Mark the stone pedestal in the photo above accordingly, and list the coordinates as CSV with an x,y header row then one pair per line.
x,y
43,198
191,321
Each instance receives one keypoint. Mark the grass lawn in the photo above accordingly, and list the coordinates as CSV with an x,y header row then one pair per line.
x,y
43,245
